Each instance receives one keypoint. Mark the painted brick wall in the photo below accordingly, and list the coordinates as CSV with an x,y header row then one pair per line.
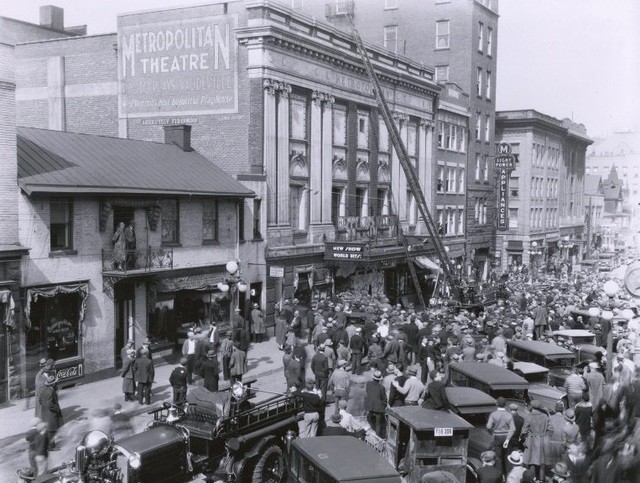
x,y
92,115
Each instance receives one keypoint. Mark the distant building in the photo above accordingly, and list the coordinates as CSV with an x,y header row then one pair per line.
x,y
594,212
546,189
616,226
622,150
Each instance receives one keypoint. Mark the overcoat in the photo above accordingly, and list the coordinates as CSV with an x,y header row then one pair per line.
x,y
238,362
50,408
143,370
257,322
128,384
535,428
210,371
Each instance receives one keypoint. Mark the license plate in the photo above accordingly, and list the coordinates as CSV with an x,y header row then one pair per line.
x,y
443,432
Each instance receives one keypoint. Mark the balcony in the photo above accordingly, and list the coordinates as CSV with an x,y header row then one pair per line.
x,y
354,228
152,259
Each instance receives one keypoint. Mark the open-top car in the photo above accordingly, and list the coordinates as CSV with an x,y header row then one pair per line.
x,y
559,360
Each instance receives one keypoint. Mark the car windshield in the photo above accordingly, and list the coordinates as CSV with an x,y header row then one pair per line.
x,y
479,420
588,339
559,362
510,394
536,376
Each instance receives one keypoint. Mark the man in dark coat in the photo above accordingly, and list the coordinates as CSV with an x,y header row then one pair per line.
x,y
46,367
411,329
128,383
340,334
210,371
333,427
375,403
143,374
294,373
242,339
50,408
179,379
357,347
489,473
320,369
287,311
396,398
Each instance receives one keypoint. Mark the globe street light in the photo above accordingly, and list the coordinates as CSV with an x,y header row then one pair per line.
x,y
232,284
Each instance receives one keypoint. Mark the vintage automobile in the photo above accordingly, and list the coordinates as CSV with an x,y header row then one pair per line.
x,y
222,432
559,360
337,459
584,343
422,441
539,388
496,381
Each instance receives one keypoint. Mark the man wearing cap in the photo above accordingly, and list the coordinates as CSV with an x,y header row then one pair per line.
x,y
50,407
146,343
192,350
574,385
334,428
210,371
178,381
502,427
489,473
124,352
357,347
340,382
143,374
320,370
375,403
412,389
128,382
46,366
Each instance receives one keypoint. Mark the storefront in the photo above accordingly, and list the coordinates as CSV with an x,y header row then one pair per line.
x,y
54,318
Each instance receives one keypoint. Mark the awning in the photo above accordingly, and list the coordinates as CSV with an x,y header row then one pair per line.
x,y
33,293
203,282
427,264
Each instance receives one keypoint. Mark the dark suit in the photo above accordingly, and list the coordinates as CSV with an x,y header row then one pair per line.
x,y
50,409
143,374
178,380
335,431
489,474
357,349
320,369
210,372
375,402
128,384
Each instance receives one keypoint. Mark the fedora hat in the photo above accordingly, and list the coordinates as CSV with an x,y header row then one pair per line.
x,y
412,371
569,415
377,376
211,353
515,458
561,469
488,456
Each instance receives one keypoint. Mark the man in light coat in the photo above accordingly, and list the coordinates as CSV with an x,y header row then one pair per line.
x,y
237,364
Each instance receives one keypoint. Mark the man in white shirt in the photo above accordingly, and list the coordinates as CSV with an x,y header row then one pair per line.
x,y
192,350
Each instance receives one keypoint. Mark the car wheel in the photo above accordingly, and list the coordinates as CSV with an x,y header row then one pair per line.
x,y
270,466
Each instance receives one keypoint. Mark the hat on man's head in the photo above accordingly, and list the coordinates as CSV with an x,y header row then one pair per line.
x,y
43,362
336,417
341,363
488,456
515,458
183,361
561,469
377,376
412,371
211,353
570,415
513,407
51,379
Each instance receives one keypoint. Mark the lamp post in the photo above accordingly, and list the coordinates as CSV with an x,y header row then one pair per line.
x,y
232,283
534,251
610,288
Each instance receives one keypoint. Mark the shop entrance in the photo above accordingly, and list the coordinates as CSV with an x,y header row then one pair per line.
x,y
124,295
303,290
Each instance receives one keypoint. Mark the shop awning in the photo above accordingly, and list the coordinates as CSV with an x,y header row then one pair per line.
x,y
33,293
427,264
200,282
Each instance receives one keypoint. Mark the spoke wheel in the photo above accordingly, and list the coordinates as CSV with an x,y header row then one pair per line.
x,y
270,466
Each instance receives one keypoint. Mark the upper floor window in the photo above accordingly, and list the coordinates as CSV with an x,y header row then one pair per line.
x,y
478,159
61,224
486,168
442,34
462,139
363,130
210,221
296,4
170,220
441,139
383,137
390,4
299,131
339,125
478,125
488,85
489,41
440,181
487,128
480,36
461,182
391,38
442,73
257,219
479,81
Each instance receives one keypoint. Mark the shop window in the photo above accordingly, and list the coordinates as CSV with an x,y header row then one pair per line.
x,y
257,220
210,221
61,224
170,221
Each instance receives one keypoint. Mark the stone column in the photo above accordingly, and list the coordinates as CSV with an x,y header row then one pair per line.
x,y
283,155
269,150
425,161
315,158
327,158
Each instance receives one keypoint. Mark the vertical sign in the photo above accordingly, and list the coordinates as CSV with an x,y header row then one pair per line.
x,y
504,165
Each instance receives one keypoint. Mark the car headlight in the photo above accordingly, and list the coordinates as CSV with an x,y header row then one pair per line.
x,y
134,461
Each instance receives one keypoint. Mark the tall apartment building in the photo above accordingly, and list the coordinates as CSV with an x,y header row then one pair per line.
x,y
459,38
546,189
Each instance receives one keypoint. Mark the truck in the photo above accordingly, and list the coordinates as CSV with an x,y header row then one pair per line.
x,y
224,433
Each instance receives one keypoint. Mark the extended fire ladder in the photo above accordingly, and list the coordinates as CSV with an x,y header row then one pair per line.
x,y
412,179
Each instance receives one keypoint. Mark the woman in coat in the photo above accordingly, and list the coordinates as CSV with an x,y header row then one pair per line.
x,y
237,364
119,247
210,371
128,384
535,428
257,324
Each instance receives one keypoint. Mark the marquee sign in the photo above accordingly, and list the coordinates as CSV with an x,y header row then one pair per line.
x,y
344,251
180,67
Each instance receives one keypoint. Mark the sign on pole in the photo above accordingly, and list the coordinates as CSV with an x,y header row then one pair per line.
x,y
504,163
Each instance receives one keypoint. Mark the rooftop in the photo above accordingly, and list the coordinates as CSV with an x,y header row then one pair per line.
x,y
65,162
422,419
490,374
541,347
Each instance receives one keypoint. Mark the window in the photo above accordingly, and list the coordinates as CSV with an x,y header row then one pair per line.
x,y
460,230
453,175
440,181
257,219
477,177
442,34
487,128
362,201
513,217
296,4
476,212
441,227
514,187
461,182
449,134
488,89
389,4
363,130
480,36
451,222
486,168
478,125
241,221
61,224
339,125
210,220
391,38
442,73
441,140
170,221
462,139
298,207
383,202
489,41
479,82
411,209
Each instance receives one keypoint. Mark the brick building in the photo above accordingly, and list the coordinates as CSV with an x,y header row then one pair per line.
x,y
546,189
459,38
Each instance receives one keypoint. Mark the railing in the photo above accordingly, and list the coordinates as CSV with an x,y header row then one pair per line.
x,y
140,259
352,228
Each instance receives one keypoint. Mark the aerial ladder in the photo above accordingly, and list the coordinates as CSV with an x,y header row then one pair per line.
x,y
413,183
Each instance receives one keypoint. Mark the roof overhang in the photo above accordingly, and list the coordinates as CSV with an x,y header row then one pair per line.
x,y
35,188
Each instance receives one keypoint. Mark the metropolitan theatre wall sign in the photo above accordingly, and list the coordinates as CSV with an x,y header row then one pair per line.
x,y
177,65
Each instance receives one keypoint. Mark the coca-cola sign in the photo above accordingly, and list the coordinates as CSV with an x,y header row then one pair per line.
x,y
68,372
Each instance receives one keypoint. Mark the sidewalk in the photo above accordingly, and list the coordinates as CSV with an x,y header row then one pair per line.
x,y
263,359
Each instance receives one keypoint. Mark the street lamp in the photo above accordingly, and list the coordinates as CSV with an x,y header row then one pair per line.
x,y
232,283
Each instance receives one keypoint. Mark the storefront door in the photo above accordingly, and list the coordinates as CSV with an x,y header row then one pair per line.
x,y
125,308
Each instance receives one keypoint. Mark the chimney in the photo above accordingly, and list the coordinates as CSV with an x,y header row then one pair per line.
x,y
52,17
178,134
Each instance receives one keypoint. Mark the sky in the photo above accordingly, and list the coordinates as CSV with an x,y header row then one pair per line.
x,y
578,59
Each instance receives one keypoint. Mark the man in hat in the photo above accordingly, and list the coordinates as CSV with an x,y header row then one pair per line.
x,y
412,389
179,380
333,426
143,374
489,473
312,406
515,475
210,371
145,345
574,385
320,370
192,350
294,373
46,367
540,317
340,382
257,324
502,427
375,403
595,382
124,352
357,347
50,409
213,337
535,428
561,473
128,381
237,363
